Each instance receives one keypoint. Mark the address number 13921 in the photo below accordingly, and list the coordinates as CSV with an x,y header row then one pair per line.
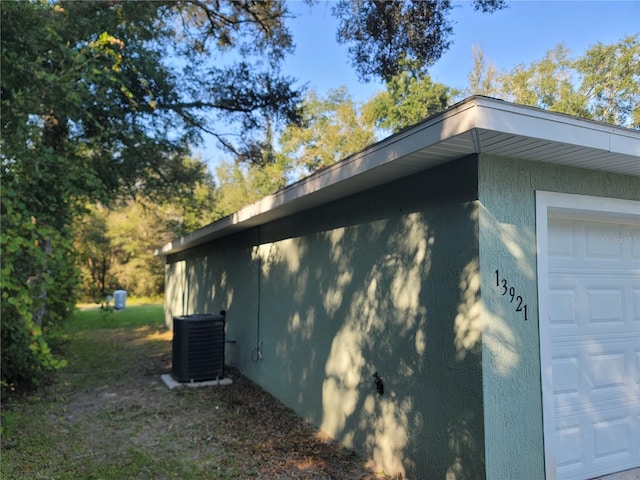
x,y
511,293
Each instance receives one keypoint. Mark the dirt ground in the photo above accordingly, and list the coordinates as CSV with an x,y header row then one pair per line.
x,y
109,415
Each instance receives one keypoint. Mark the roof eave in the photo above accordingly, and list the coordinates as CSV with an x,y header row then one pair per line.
x,y
415,149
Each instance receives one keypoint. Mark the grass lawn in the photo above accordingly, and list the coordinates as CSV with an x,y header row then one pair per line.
x,y
108,415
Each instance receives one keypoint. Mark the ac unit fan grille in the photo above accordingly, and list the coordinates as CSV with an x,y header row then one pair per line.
x,y
198,348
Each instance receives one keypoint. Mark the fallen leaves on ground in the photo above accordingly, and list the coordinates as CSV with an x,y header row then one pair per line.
x,y
109,415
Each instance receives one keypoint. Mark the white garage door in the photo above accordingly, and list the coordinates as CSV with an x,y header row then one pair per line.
x,y
593,330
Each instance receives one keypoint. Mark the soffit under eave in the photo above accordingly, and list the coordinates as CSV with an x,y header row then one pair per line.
x,y
478,125
559,153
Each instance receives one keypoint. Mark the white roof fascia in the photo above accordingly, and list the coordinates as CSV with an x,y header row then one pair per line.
x,y
355,173
522,120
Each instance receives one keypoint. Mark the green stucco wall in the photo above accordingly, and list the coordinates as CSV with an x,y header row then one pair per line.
x,y
386,280
214,277
510,344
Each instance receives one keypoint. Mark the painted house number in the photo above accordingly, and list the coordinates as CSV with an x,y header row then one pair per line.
x,y
510,292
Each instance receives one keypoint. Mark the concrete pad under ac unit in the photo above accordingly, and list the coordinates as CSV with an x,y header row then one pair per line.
x,y
170,382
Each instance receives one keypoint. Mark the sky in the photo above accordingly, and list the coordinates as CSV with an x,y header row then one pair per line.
x,y
520,34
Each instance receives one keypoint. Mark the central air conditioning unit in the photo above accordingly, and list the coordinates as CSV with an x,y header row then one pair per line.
x,y
198,347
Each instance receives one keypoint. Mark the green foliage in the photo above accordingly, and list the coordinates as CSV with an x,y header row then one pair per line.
x,y
603,84
240,185
610,77
482,78
408,100
94,253
388,37
101,101
189,209
36,286
134,231
26,356
333,128
547,84
115,245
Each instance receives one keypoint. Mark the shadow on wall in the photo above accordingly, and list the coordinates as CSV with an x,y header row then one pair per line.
x,y
175,301
513,249
399,296
382,306
386,281
224,277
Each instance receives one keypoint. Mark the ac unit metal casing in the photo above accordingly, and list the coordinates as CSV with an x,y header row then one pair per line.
x,y
198,347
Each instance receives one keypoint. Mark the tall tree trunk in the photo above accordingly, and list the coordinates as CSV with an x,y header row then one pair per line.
x,y
55,134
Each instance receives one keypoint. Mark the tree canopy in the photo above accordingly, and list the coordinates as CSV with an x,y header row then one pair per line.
x,y
408,100
333,128
102,100
388,37
601,84
103,81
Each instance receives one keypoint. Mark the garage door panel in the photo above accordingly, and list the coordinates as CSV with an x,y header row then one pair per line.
x,y
605,305
570,447
594,333
587,301
597,442
600,244
613,440
606,372
563,302
595,371
593,244
566,381
562,239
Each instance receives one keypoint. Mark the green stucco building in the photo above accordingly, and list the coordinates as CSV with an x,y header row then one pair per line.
x,y
485,262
